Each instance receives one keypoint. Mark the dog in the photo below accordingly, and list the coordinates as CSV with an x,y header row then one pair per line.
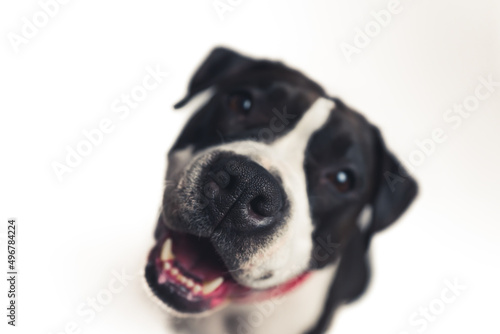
x,y
273,192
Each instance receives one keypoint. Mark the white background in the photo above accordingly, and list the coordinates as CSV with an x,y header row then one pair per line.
x,y
73,234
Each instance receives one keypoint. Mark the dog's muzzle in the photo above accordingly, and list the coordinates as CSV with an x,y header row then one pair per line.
x,y
225,205
240,192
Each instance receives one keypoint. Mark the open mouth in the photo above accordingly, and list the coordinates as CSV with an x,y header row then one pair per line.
x,y
186,273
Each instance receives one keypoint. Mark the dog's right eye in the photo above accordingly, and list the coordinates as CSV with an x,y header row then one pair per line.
x,y
240,102
343,180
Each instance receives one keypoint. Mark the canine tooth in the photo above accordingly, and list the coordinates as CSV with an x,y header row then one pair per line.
x,y
167,266
174,271
189,283
166,251
197,288
209,287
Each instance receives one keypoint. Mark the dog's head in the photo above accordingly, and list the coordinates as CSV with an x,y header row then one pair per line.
x,y
269,180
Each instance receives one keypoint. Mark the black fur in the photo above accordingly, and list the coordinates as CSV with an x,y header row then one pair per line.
x,y
347,141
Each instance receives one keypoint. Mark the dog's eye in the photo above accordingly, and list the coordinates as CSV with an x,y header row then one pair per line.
x,y
240,102
343,180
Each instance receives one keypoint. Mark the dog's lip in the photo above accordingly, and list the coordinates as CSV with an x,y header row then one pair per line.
x,y
195,289
175,302
187,275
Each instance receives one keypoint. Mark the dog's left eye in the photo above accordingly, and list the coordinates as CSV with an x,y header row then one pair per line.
x,y
240,102
343,180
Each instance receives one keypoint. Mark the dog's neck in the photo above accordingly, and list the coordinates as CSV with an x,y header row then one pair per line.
x,y
294,312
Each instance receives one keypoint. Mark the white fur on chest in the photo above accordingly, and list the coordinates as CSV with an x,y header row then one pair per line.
x,y
293,313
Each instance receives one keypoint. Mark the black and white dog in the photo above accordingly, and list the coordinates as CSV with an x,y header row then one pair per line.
x,y
274,190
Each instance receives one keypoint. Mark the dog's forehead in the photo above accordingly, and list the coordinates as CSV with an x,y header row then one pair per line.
x,y
314,119
345,129
280,95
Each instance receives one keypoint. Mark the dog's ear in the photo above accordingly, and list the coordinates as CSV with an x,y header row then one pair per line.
x,y
220,63
395,191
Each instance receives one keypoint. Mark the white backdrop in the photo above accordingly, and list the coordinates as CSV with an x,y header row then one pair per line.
x,y
64,74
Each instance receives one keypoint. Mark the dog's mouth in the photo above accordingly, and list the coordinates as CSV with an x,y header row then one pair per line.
x,y
186,273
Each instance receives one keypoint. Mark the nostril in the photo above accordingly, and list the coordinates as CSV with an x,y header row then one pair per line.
x,y
264,206
255,208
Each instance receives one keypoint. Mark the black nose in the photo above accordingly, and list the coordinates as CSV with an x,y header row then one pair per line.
x,y
242,193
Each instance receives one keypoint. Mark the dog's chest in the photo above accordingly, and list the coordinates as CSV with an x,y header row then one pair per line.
x,y
293,313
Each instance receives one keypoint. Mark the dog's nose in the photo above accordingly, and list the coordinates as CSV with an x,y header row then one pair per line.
x,y
243,193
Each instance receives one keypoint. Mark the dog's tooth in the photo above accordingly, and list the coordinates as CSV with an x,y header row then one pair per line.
x,y
167,266
174,271
166,251
197,288
189,283
209,287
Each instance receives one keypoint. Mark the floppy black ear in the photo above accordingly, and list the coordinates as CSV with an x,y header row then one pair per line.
x,y
396,188
220,63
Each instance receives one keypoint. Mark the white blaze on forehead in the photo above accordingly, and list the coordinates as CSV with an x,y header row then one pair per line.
x,y
314,118
288,155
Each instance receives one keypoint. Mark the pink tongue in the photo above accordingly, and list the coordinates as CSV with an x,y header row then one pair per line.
x,y
197,257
